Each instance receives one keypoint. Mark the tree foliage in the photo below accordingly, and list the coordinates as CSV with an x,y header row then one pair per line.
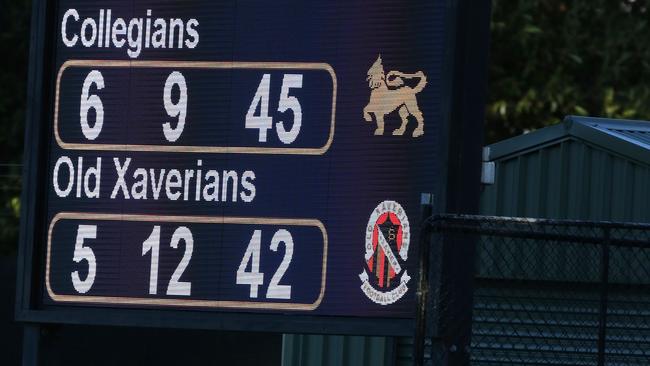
x,y
551,58
14,41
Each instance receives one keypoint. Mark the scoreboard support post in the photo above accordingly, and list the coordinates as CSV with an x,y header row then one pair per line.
x,y
31,341
451,325
422,317
31,344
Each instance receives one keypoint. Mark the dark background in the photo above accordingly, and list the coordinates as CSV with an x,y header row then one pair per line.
x,y
549,58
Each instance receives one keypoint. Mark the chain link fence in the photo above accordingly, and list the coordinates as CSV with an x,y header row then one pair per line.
x,y
547,292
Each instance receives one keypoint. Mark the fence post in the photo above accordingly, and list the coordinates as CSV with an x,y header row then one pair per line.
x,y
604,293
424,242
454,293
31,344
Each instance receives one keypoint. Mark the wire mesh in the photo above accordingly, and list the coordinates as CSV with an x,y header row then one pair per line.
x,y
549,292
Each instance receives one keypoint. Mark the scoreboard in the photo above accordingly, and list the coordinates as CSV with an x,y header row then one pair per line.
x,y
240,164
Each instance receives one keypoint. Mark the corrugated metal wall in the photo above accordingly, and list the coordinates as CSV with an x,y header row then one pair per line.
x,y
569,179
316,350
566,179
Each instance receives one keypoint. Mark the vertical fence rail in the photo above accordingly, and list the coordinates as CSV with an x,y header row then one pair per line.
x,y
604,288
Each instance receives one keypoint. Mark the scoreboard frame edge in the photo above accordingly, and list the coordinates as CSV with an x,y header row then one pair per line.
x,y
31,256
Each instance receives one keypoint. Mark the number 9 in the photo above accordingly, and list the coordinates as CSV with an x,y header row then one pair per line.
x,y
175,109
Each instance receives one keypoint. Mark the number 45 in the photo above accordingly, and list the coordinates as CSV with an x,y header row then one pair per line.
x,y
263,122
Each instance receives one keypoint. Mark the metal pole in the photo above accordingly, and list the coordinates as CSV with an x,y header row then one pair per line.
x,y
604,292
31,344
423,287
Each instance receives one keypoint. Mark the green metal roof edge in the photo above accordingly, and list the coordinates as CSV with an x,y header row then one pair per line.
x,y
527,141
620,145
637,125
580,128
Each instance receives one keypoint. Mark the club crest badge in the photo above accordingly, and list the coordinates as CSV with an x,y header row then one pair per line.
x,y
384,279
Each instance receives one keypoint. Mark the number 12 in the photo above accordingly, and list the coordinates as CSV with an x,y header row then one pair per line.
x,y
152,244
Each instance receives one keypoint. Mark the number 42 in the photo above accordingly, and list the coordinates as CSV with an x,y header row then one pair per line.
x,y
254,277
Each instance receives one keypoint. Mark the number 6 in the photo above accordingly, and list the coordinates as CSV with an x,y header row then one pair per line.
x,y
91,101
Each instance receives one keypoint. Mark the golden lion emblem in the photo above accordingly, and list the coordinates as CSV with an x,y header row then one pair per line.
x,y
388,93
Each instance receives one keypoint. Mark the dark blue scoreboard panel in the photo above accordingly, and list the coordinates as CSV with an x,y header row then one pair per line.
x,y
223,157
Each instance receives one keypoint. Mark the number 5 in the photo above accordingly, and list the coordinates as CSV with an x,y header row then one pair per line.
x,y
84,253
289,102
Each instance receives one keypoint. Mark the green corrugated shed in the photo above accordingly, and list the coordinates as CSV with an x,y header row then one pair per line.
x,y
584,168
